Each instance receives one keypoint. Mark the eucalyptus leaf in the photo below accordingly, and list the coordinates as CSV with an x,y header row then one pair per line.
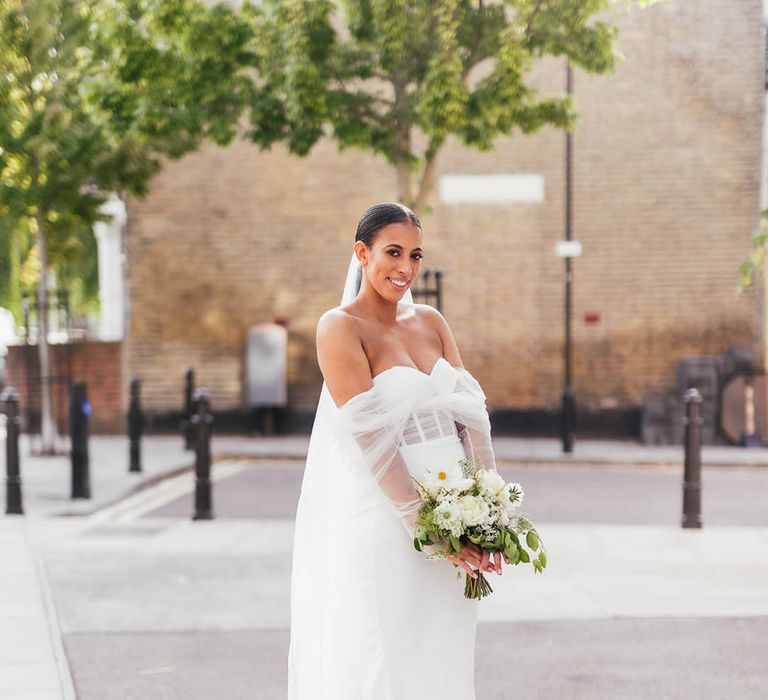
x,y
455,544
513,555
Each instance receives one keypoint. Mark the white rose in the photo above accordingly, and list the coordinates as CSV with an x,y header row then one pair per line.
x,y
489,482
474,510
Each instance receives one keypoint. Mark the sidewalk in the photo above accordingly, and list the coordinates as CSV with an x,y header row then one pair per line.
x,y
111,544
32,661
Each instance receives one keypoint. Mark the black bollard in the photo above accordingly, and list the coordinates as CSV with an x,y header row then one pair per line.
x,y
202,424
692,477
186,422
135,427
10,401
79,413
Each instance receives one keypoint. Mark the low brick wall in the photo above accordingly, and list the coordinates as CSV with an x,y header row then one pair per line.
x,y
96,363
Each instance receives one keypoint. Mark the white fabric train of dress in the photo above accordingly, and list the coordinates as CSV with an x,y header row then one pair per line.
x,y
372,618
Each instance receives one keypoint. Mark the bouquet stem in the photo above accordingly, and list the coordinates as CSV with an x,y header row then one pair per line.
x,y
477,588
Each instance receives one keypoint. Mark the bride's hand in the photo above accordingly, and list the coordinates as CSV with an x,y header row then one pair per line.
x,y
472,555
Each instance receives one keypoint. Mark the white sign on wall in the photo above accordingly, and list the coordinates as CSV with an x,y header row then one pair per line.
x,y
568,249
492,189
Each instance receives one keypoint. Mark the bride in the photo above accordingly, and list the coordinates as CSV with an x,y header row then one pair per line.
x,y
372,618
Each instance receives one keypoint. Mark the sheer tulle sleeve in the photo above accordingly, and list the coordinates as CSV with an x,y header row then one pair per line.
x,y
371,427
368,429
457,391
474,423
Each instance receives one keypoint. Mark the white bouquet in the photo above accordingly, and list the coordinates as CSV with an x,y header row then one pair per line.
x,y
466,503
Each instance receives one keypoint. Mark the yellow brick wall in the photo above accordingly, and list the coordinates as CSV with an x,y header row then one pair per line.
x,y
666,188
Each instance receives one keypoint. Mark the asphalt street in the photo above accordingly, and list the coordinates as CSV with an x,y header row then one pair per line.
x,y
152,605
556,493
663,659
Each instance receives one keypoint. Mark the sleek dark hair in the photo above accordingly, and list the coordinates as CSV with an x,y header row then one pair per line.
x,y
378,216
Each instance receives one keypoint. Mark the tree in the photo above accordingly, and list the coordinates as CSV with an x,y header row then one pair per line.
x,y
93,94
14,254
752,268
398,77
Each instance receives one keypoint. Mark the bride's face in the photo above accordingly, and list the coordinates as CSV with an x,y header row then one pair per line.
x,y
393,262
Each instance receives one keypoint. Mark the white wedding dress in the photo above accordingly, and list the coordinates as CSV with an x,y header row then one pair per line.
x,y
372,618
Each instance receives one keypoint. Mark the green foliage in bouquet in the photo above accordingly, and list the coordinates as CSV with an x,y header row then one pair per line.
x,y
467,503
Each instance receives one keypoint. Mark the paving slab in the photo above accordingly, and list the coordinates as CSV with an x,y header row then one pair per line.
x,y
186,575
32,663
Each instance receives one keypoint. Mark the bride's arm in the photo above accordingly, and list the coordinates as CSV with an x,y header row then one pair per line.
x,y
476,440
372,423
365,416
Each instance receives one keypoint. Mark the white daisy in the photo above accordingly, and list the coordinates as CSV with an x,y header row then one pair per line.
x,y
449,478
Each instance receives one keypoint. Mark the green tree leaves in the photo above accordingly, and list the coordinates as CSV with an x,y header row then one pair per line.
x,y
386,75
93,94
752,268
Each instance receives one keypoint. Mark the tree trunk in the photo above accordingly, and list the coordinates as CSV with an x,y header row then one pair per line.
x,y
402,147
47,423
404,182
427,182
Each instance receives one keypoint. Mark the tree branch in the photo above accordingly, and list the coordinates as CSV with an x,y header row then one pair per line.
x,y
532,17
402,141
428,174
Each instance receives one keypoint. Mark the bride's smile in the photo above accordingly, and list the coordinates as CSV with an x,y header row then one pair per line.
x,y
391,263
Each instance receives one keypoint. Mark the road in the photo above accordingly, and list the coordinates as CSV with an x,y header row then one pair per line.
x,y
154,606
560,494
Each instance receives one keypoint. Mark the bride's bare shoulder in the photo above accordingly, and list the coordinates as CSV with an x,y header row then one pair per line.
x,y
435,321
336,324
430,316
341,357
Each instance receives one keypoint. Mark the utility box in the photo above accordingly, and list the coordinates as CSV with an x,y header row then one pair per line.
x,y
266,365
